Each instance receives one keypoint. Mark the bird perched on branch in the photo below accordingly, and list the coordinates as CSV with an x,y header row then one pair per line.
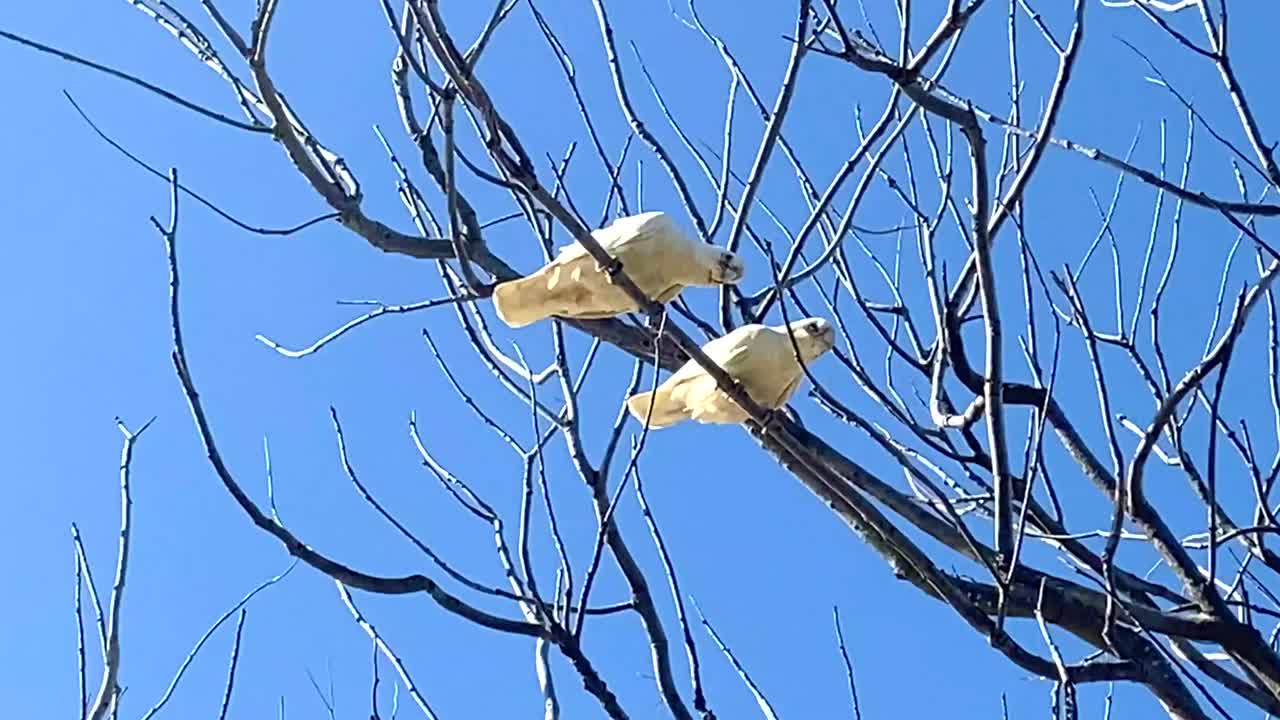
x,y
658,257
761,358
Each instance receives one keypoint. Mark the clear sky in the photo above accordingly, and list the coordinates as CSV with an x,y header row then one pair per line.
x,y
84,283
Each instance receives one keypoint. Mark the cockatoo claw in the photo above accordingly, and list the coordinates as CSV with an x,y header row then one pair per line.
x,y
612,268
657,320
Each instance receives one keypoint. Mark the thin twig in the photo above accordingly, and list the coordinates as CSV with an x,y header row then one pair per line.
x,y
761,701
848,665
191,656
108,689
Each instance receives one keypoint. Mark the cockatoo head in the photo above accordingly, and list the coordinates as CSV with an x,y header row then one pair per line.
x,y
726,268
814,336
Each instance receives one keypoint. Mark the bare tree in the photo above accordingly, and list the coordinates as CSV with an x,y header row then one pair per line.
x,y
987,447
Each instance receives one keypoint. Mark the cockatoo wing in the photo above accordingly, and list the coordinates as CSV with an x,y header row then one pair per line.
x,y
761,359
690,388
657,408
574,288
615,237
523,301
785,392
657,256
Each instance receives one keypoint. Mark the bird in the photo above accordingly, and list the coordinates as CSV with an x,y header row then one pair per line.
x,y
761,358
656,254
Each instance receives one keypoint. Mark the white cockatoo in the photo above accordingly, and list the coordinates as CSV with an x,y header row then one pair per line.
x,y
660,258
761,358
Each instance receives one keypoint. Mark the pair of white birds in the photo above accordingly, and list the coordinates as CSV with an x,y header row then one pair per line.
x,y
662,260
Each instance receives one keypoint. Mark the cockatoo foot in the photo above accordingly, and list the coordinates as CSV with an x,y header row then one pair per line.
x,y
771,419
612,268
657,320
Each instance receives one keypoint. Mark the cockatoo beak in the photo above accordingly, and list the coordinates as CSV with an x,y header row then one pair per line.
x,y
828,337
823,337
728,270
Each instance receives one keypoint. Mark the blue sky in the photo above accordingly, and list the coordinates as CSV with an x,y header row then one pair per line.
x,y
83,276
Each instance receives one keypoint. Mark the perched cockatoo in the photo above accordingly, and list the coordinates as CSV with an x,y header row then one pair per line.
x,y
761,358
660,258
